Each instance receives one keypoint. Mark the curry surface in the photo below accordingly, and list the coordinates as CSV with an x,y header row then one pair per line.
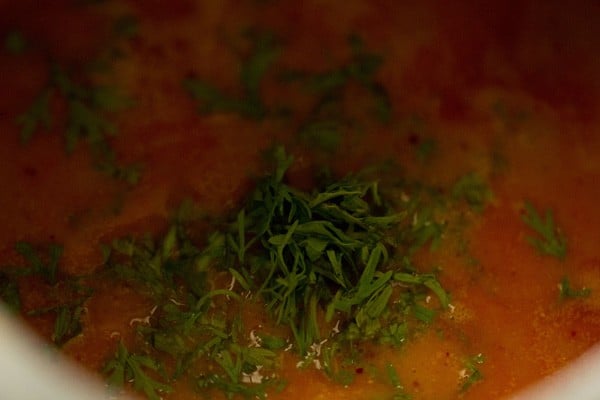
x,y
510,91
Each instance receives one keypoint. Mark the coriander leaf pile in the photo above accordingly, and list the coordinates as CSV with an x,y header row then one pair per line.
x,y
331,268
64,296
91,106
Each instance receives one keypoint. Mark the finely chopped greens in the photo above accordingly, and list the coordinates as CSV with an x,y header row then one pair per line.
x,y
254,67
331,91
548,238
333,266
374,264
91,107
66,295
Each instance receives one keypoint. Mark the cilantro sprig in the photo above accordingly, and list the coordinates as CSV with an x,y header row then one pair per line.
x,y
399,392
139,369
569,292
473,190
318,261
37,264
88,109
15,43
91,107
331,118
326,252
66,295
252,72
9,292
471,374
312,246
189,325
549,240
333,265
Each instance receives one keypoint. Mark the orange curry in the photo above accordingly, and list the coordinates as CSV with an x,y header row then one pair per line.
x,y
119,117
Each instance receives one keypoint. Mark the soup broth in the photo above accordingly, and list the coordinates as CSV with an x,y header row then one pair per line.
x,y
142,140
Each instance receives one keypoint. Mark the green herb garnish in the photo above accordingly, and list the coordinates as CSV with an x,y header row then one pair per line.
x,y
320,261
126,26
327,251
252,72
361,68
90,109
67,323
188,325
399,392
471,373
15,43
331,118
568,292
426,149
36,117
472,189
139,369
46,267
549,239
9,292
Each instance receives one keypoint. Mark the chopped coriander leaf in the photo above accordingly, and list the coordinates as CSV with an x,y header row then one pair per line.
x,y
324,134
307,248
46,268
15,43
272,342
89,108
511,116
253,70
472,189
330,117
318,252
426,149
332,365
427,280
424,314
333,265
361,68
247,390
67,324
399,393
126,26
139,369
36,117
9,292
153,265
130,174
382,104
213,101
189,325
264,53
425,225
471,373
395,333
549,239
568,292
